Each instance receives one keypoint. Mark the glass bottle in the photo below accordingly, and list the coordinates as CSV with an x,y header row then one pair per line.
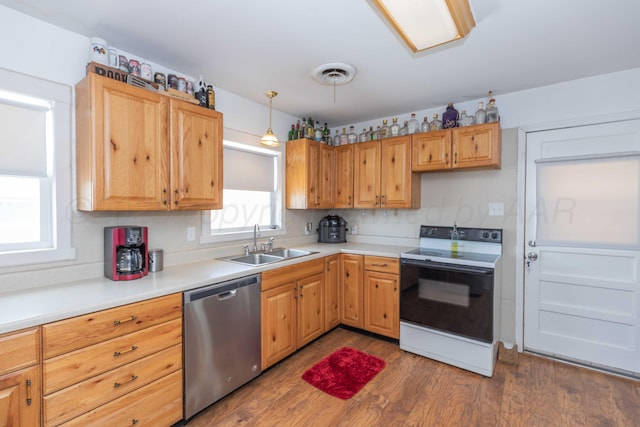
x,y
492,111
372,134
384,130
404,129
376,134
292,132
450,117
394,129
362,137
310,131
465,120
424,126
317,133
352,137
344,138
435,124
336,138
303,128
412,125
480,114
326,134
296,135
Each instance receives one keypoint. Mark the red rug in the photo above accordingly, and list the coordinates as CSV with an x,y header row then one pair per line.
x,y
343,373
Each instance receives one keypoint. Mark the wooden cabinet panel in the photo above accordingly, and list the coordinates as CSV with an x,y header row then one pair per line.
x,y
344,176
310,309
351,301
157,404
381,302
291,273
382,264
70,368
477,146
309,175
332,292
326,176
278,322
399,186
431,151
196,157
72,401
20,398
78,332
19,349
366,175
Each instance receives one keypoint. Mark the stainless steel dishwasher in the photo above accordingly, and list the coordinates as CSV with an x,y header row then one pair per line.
x,y
221,340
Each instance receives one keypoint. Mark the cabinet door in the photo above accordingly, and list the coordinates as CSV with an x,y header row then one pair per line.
x,y
279,328
122,146
382,303
351,301
326,176
310,309
477,146
302,174
431,151
366,175
344,176
196,157
20,398
332,292
399,186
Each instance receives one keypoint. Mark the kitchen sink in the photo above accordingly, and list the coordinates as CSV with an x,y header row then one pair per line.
x,y
279,254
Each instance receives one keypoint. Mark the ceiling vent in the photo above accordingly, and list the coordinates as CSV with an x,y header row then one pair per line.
x,y
334,74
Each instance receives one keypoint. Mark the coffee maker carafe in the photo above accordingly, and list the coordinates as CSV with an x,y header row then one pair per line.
x,y
125,252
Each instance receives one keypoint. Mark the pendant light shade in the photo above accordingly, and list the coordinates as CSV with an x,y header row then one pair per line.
x,y
269,139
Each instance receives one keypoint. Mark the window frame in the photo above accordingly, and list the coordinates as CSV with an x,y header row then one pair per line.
x,y
242,140
58,183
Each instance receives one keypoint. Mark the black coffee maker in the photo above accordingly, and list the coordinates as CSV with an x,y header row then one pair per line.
x,y
126,254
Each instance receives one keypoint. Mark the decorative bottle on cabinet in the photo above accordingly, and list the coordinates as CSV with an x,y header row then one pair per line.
x,y
384,130
336,138
450,117
480,114
436,124
344,138
352,137
424,126
363,137
412,125
394,129
492,110
404,129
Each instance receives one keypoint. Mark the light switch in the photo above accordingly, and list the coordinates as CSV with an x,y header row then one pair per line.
x,y
496,209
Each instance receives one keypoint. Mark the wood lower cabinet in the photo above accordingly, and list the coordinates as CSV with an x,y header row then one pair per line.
x,y
382,295
142,150
310,175
468,147
20,378
370,294
96,365
382,176
292,309
331,292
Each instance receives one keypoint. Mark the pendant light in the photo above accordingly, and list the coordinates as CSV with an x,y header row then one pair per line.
x,y
269,139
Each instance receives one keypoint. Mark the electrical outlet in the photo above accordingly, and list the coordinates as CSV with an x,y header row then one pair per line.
x,y
308,228
191,234
496,209
354,229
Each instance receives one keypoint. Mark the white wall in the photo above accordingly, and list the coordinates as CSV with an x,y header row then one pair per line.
x,y
40,49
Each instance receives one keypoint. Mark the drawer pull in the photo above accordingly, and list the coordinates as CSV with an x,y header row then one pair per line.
x,y
120,353
129,319
28,383
133,378
379,265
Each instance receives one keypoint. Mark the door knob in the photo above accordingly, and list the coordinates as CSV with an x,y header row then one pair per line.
x,y
532,256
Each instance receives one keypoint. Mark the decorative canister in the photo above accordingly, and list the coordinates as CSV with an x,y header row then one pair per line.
x,y
145,71
134,67
182,84
161,79
99,51
123,62
172,81
156,261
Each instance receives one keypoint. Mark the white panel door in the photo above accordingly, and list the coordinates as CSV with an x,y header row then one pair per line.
x,y
582,290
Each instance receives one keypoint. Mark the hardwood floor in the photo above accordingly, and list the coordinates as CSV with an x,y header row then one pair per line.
x,y
415,391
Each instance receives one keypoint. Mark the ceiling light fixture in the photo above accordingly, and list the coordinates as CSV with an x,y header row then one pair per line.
x,y
269,139
423,24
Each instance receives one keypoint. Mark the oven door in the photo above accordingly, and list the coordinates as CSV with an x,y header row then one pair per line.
x,y
451,298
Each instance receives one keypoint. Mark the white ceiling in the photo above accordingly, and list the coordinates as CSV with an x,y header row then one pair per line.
x,y
250,46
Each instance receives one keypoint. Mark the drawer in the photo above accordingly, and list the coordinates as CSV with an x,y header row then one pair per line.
x,y
62,371
157,404
82,331
19,349
382,264
291,273
83,397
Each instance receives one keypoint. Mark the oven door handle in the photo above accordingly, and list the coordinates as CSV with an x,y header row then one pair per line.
x,y
448,267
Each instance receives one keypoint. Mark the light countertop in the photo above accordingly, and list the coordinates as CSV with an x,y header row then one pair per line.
x,y
38,306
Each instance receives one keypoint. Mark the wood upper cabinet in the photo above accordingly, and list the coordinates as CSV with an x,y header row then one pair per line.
x,y
351,298
309,175
477,146
344,177
331,292
141,150
292,309
383,176
20,378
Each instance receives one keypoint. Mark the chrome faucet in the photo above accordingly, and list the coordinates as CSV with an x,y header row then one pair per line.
x,y
256,233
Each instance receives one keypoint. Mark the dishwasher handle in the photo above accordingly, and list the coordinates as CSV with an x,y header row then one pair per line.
x,y
223,290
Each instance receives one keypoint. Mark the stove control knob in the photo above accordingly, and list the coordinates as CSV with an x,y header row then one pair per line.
x,y
485,234
494,235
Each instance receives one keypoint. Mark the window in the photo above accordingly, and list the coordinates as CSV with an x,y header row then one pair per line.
x,y
35,176
252,191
